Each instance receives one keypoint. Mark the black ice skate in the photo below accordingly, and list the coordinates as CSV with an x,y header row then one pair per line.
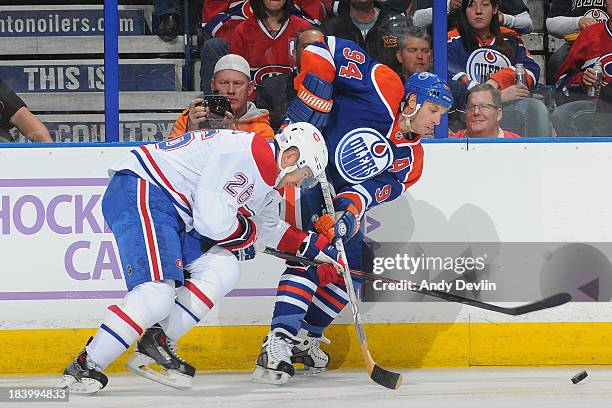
x,y
155,358
82,377
308,352
273,365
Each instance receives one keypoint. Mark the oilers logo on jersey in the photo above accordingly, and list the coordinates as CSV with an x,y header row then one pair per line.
x,y
484,62
597,14
361,154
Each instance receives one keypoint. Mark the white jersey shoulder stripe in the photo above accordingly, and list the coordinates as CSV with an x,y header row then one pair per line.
x,y
150,167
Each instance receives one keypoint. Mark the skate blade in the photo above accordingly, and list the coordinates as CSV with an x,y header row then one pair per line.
x,y
265,376
87,386
146,367
309,371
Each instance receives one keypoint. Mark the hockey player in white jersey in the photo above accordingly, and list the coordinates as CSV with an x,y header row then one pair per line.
x,y
218,188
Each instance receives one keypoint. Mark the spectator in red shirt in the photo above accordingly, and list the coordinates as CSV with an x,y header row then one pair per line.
x,y
221,17
483,113
265,40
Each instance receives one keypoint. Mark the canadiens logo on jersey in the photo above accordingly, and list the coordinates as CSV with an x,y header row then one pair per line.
x,y
484,62
361,154
606,67
269,71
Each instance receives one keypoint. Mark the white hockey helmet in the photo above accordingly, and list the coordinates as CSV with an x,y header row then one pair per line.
x,y
313,152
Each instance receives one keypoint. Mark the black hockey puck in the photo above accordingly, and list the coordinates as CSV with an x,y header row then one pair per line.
x,y
579,377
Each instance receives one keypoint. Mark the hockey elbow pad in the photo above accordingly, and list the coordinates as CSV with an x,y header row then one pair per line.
x,y
243,240
313,102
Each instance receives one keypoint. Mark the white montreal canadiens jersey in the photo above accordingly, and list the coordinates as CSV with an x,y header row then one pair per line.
x,y
210,176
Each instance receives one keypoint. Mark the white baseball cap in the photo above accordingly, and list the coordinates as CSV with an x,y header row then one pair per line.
x,y
234,62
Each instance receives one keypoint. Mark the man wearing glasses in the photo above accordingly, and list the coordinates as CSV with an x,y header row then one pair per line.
x,y
483,113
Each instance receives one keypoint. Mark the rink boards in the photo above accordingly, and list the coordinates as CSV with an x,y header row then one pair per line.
x,y
60,265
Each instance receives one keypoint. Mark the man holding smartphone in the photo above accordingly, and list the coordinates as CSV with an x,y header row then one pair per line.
x,y
231,80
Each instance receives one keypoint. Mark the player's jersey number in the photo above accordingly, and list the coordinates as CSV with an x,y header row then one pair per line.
x,y
184,140
382,194
236,187
351,69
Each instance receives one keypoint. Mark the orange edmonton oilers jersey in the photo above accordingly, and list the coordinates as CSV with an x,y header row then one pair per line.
x,y
369,160
487,62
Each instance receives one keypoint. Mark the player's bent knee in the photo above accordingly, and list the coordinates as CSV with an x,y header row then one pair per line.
x,y
198,297
151,301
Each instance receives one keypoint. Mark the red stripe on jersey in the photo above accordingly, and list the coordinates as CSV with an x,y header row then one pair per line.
x,y
148,224
115,309
291,240
264,159
245,211
163,177
322,292
199,294
295,291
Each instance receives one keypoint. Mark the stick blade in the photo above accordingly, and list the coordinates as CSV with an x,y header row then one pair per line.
x,y
546,303
386,378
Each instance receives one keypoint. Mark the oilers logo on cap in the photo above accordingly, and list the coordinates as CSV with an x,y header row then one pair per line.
x,y
361,154
484,62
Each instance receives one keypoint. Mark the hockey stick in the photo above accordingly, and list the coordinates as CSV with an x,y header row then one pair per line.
x,y
546,303
378,374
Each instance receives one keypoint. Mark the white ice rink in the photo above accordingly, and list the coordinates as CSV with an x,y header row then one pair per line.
x,y
444,388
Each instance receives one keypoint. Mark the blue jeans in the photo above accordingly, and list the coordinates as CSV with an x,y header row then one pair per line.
x,y
212,50
574,118
527,117
166,7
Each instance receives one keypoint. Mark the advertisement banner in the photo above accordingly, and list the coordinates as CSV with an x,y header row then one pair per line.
x,y
58,23
74,76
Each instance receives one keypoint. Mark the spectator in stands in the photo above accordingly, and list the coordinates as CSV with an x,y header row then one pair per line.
x,y
566,19
336,7
414,52
512,14
15,113
221,17
483,114
576,75
275,92
480,51
374,26
264,40
168,13
231,79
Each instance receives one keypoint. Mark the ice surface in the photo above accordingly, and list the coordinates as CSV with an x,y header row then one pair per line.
x,y
422,388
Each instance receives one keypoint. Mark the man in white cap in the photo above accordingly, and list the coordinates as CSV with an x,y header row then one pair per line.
x,y
232,80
